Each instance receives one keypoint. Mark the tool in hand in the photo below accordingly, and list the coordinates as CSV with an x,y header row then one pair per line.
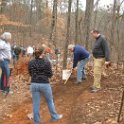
x,y
68,77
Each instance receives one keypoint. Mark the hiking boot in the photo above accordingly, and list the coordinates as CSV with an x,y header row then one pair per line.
x,y
84,78
78,82
11,92
5,93
59,118
94,89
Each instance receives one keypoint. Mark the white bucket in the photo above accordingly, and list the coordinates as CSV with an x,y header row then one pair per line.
x,y
65,74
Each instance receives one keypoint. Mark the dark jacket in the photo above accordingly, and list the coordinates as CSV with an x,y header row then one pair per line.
x,y
40,71
100,49
80,53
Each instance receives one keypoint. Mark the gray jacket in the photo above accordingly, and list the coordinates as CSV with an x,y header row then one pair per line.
x,y
100,49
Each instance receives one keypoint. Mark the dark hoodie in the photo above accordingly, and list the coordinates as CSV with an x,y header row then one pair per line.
x,y
40,71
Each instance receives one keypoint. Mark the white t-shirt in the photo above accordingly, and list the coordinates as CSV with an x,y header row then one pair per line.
x,y
5,50
30,50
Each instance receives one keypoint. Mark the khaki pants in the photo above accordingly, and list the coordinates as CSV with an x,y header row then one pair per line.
x,y
98,69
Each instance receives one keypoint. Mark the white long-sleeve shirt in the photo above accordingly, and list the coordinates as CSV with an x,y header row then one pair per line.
x,y
5,50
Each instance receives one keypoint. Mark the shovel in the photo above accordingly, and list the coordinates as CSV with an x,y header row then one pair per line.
x,y
68,77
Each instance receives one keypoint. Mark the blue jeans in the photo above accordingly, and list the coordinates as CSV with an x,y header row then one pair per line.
x,y
45,90
81,69
5,75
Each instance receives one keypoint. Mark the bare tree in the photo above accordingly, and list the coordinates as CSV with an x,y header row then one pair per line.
x,y
39,8
53,24
95,12
76,22
67,35
113,23
31,14
3,5
87,21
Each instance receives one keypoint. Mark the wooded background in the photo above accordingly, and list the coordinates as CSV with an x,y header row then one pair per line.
x,y
60,22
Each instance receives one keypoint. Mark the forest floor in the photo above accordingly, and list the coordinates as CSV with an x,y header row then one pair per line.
x,y
75,102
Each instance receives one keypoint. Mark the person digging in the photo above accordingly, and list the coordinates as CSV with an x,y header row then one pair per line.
x,y
81,58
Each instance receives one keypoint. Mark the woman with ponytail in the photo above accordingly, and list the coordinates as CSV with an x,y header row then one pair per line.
x,y
40,72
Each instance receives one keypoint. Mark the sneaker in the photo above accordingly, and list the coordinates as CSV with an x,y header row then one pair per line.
x,y
5,93
59,118
84,78
94,90
78,82
11,92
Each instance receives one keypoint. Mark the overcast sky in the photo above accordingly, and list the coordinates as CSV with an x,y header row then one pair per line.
x,y
102,3
105,2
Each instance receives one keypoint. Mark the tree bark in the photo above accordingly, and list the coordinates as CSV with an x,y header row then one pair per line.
x,y
95,13
87,21
53,24
113,24
76,22
39,6
67,35
31,14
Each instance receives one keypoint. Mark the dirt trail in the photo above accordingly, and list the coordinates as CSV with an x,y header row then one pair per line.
x,y
65,99
76,103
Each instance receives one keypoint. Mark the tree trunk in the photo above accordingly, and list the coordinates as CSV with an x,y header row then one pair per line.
x,y
113,24
67,35
87,21
39,11
76,22
53,24
3,5
31,13
96,12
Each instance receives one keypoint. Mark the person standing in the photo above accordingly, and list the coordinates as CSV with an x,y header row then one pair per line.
x,y
81,58
47,52
101,57
5,57
40,72
30,51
